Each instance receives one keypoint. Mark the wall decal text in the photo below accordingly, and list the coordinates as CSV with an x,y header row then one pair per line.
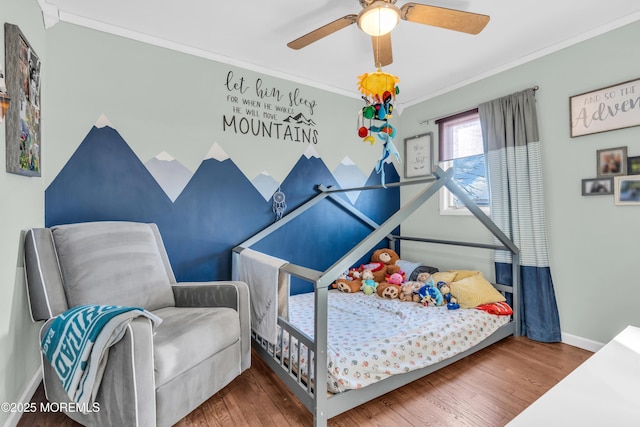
x,y
264,111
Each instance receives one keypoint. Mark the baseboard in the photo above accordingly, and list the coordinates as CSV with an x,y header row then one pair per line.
x,y
580,342
25,397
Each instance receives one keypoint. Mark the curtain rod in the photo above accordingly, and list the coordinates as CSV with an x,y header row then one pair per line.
x,y
426,121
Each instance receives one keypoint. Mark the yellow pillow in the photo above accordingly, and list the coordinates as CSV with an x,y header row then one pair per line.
x,y
443,276
474,291
463,274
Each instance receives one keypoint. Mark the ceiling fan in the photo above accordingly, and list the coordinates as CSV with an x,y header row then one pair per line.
x,y
378,17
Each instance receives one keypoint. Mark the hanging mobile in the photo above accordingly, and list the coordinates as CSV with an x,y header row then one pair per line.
x,y
279,204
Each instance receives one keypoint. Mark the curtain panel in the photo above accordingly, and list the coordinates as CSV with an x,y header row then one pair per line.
x,y
514,164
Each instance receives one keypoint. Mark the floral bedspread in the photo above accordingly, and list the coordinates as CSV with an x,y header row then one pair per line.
x,y
372,338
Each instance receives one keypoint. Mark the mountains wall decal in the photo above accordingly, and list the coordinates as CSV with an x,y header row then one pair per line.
x,y
203,215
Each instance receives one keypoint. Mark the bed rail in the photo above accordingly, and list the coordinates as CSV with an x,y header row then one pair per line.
x,y
279,358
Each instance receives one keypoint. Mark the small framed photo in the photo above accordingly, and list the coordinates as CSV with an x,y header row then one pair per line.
x,y
597,186
612,161
627,190
633,165
418,156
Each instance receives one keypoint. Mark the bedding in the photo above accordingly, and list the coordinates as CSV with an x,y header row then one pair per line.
x,y
474,290
371,338
267,285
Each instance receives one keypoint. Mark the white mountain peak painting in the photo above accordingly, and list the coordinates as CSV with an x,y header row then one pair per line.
x,y
216,152
265,184
311,152
349,175
164,156
102,122
170,174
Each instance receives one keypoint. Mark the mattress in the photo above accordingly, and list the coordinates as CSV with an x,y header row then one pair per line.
x,y
371,338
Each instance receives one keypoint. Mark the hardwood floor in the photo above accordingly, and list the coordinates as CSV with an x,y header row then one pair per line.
x,y
488,388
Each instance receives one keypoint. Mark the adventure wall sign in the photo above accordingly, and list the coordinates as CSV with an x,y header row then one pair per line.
x,y
609,108
268,112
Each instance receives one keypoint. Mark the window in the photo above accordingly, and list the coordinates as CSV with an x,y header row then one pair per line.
x,y
461,148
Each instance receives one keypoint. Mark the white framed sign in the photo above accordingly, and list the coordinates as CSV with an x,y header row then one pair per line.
x,y
418,155
609,108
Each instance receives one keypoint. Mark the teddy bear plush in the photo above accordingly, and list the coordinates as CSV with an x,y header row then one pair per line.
x,y
349,282
386,264
388,291
409,292
425,278
348,286
414,286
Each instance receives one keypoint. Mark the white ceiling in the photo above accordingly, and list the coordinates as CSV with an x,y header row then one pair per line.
x,y
429,61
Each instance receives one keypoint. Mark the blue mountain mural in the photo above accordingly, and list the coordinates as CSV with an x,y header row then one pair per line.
x,y
379,204
322,235
350,176
217,209
104,180
265,184
170,174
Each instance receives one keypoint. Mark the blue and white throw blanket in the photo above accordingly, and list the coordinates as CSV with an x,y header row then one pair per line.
x,y
77,344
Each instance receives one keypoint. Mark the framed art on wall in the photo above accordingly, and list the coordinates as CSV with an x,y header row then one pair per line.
x,y
23,144
633,165
597,186
612,161
418,156
609,108
627,190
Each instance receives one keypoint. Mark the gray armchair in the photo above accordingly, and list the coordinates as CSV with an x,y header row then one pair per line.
x,y
152,377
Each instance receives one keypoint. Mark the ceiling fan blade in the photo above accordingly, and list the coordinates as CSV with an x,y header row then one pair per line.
x,y
382,52
323,31
450,19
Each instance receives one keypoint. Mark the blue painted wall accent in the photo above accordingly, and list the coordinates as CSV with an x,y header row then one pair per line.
x,y
104,180
218,209
322,235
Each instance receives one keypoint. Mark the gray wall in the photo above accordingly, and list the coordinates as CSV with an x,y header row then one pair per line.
x,y
87,73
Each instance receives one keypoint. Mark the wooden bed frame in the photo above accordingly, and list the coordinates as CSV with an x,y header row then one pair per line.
x,y
313,394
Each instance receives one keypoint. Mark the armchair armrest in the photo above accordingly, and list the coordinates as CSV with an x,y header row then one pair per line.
x,y
232,294
127,391
210,294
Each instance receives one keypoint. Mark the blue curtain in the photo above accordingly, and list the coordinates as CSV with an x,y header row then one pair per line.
x,y
512,146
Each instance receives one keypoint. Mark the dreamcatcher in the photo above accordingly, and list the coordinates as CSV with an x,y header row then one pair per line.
x,y
279,204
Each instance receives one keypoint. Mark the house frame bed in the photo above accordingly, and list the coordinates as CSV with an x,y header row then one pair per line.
x,y
314,394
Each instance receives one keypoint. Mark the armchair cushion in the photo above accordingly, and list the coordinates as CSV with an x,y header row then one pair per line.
x,y
115,263
188,336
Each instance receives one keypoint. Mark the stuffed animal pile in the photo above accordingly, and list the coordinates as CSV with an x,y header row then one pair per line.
x,y
382,266
383,277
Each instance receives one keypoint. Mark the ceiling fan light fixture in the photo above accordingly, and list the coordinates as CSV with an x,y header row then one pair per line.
x,y
379,18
